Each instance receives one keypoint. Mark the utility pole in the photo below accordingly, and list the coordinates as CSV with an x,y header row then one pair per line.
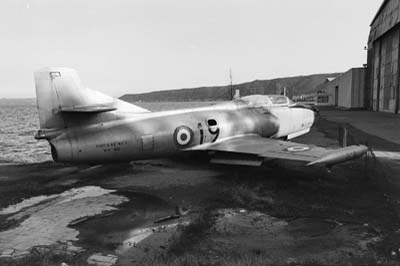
x,y
230,77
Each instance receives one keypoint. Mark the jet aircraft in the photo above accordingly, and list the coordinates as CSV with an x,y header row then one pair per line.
x,y
86,126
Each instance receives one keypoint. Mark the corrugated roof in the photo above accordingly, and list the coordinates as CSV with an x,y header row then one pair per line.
x,y
379,11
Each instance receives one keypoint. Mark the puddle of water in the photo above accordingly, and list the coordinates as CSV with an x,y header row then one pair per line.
x,y
108,233
69,195
24,204
84,192
49,216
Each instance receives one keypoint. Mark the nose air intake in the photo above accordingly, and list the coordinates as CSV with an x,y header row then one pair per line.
x,y
306,106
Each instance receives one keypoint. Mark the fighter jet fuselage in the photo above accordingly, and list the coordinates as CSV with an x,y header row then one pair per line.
x,y
86,126
133,137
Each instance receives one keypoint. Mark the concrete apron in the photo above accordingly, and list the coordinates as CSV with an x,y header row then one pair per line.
x,y
387,163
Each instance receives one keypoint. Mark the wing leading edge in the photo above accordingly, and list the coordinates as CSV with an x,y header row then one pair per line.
x,y
256,148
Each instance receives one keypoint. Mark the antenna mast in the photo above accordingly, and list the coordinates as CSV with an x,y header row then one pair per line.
x,y
230,77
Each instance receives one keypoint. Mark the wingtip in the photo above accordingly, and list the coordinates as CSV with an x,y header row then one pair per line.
x,y
341,155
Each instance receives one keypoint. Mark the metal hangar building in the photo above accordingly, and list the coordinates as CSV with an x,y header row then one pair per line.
x,y
383,62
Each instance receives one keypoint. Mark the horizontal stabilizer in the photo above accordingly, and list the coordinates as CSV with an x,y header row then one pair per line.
x,y
88,109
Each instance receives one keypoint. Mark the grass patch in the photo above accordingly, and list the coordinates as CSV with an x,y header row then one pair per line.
x,y
191,260
249,259
252,198
186,239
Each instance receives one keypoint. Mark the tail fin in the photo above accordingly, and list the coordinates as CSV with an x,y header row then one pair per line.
x,y
59,91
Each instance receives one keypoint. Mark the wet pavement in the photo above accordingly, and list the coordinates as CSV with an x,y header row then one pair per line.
x,y
379,124
47,221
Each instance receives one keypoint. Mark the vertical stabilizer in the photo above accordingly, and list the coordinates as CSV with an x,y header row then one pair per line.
x,y
60,92
47,95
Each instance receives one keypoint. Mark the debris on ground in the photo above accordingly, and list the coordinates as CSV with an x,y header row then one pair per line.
x,y
334,221
182,211
167,218
99,260
58,249
179,212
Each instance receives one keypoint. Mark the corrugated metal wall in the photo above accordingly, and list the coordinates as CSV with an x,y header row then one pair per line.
x,y
383,60
385,72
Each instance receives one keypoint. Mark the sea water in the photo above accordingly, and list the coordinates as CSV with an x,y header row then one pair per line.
x,y
19,122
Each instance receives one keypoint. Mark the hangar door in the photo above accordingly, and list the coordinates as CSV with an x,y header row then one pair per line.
x,y
386,62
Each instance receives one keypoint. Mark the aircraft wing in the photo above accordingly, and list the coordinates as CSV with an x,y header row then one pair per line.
x,y
254,149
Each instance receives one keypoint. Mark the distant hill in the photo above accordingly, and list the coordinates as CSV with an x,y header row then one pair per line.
x,y
295,86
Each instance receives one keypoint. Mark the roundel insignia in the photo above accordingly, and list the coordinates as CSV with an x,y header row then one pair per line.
x,y
298,148
183,135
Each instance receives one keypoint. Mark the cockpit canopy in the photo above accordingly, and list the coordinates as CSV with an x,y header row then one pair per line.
x,y
266,101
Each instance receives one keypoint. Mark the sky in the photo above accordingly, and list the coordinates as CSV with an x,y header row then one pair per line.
x,y
134,46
